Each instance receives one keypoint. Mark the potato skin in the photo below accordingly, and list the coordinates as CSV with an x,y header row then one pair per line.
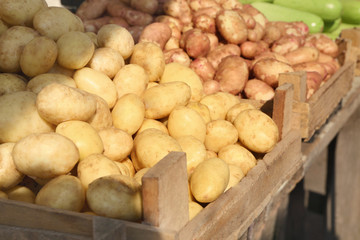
x,y
218,53
10,176
231,26
258,90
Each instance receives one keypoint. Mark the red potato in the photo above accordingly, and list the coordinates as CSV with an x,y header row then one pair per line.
x,y
177,55
286,44
231,26
251,49
302,54
231,4
210,11
172,43
205,23
133,17
211,86
203,68
258,90
192,46
271,34
221,51
271,55
232,74
196,5
214,41
257,33
324,43
256,14
170,21
146,6
268,70
179,9
156,32
311,67
249,20
313,82
135,32
93,25
91,9
296,29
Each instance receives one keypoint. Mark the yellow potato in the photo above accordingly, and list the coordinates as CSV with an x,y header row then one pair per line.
x,y
20,12
128,113
63,192
3,26
257,131
12,42
150,146
75,49
185,121
57,103
93,37
85,137
56,68
152,84
235,154
130,166
38,56
11,82
97,83
21,193
219,104
174,72
220,133
9,175
131,78
19,117
195,152
45,155
194,209
149,56
152,123
53,22
3,195
236,174
37,83
209,180
106,60
236,109
124,170
160,100
115,196
95,166
102,117
202,109
211,154
116,37
117,143
139,174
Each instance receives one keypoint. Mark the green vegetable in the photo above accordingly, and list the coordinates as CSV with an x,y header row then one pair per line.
x,y
332,26
351,12
328,10
280,13
336,33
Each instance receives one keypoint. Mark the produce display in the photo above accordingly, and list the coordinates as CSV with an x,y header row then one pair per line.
x,y
91,101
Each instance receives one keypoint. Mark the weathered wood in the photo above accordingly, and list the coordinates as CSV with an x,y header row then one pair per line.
x,y
165,193
316,176
283,107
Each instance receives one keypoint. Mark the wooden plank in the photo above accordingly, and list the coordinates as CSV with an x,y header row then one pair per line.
x,y
347,180
298,79
165,193
237,208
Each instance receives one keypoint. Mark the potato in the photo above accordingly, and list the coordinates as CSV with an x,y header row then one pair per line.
x,y
221,51
195,151
117,143
203,68
235,154
258,90
194,209
189,42
150,146
178,9
9,175
75,49
37,83
149,56
257,131
11,82
85,137
211,87
209,180
220,133
38,56
176,72
20,117
268,70
250,50
311,67
152,123
231,26
232,74
95,166
21,193
45,155
20,12
302,54
115,196
57,103
145,5
63,192
53,22
128,113
139,174
3,195
102,117
219,104
210,154
131,78
116,37
323,43
202,109
56,68
124,170
12,42
236,109
204,22
160,100
129,165
97,83
236,174
106,60
156,32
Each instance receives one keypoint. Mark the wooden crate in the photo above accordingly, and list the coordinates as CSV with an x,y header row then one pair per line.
x,y
310,114
353,34
165,198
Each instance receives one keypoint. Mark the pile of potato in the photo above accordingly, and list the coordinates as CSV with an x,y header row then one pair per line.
x,y
85,115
